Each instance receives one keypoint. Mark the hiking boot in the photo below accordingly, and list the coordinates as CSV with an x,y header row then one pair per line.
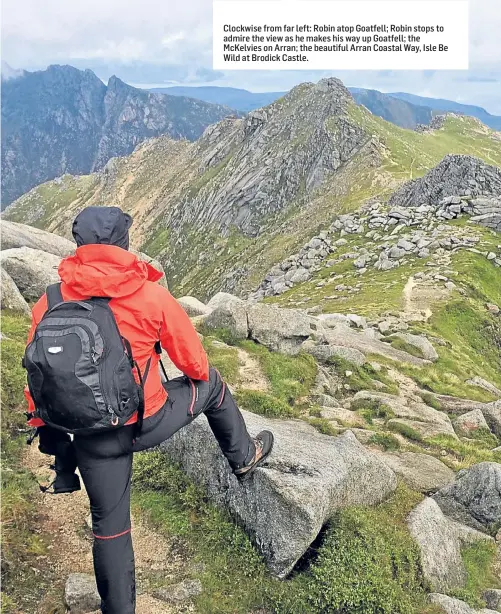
x,y
264,445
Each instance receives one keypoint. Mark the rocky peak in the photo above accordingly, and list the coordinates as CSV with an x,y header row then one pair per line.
x,y
279,154
90,122
456,174
335,87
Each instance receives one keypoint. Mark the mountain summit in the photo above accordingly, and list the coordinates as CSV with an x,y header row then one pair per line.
x,y
83,123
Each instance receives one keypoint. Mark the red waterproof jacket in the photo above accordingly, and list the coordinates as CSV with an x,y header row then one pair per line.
x,y
145,313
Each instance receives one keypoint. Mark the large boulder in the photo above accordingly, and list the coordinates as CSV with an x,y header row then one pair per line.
x,y
343,336
420,472
452,176
440,540
281,330
492,415
228,312
31,269
80,594
467,424
193,306
421,343
324,353
451,605
475,497
307,477
10,296
222,299
20,235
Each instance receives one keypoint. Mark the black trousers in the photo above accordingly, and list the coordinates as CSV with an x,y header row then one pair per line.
x,y
105,464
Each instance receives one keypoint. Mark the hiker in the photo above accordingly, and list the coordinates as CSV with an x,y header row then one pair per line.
x,y
103,385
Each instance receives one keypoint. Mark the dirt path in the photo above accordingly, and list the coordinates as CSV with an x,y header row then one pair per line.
x,y
251,373
63,519
419,297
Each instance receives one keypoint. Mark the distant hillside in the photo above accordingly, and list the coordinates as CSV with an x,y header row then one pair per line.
x,y
404,110
399,112
439,104
64,120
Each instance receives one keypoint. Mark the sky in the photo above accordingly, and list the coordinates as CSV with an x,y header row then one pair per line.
x,y
151,43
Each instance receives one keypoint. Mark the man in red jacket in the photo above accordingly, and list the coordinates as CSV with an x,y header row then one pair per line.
x,y
146,314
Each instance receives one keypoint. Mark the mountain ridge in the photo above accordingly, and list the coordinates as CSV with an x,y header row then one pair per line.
x,y
221,212
83,123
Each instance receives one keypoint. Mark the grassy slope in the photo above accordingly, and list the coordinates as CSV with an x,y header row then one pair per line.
x,y
21,586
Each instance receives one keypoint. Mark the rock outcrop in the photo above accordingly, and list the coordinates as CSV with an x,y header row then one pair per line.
x,y
456,174
80,594
306,478
90,122
229,313
451,605
469,423
420,472
11,298
281,330
474,498
440,540
20,235
193,306
31,269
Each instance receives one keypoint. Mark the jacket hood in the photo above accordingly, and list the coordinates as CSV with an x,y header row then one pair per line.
x,y
102,225
106,270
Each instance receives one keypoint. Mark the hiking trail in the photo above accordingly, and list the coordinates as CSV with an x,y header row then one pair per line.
x,y
63,521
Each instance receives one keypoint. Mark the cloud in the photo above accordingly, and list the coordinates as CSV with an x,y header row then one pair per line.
x,y
158,42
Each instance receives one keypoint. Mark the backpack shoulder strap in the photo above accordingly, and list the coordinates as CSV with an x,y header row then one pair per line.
x,y
54,295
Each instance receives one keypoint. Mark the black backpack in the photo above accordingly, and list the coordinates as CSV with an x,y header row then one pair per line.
x,y
80,369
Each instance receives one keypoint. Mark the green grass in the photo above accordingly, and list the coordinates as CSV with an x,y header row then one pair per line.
x,y
479,559
463,454
224,359
365,563
381,292
485,436
323,426
221,334
371,409
411,154
291,378
49,199
234,576
430,400
386,441
362,378
473,337
264,404
405,430
400,344
20,545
